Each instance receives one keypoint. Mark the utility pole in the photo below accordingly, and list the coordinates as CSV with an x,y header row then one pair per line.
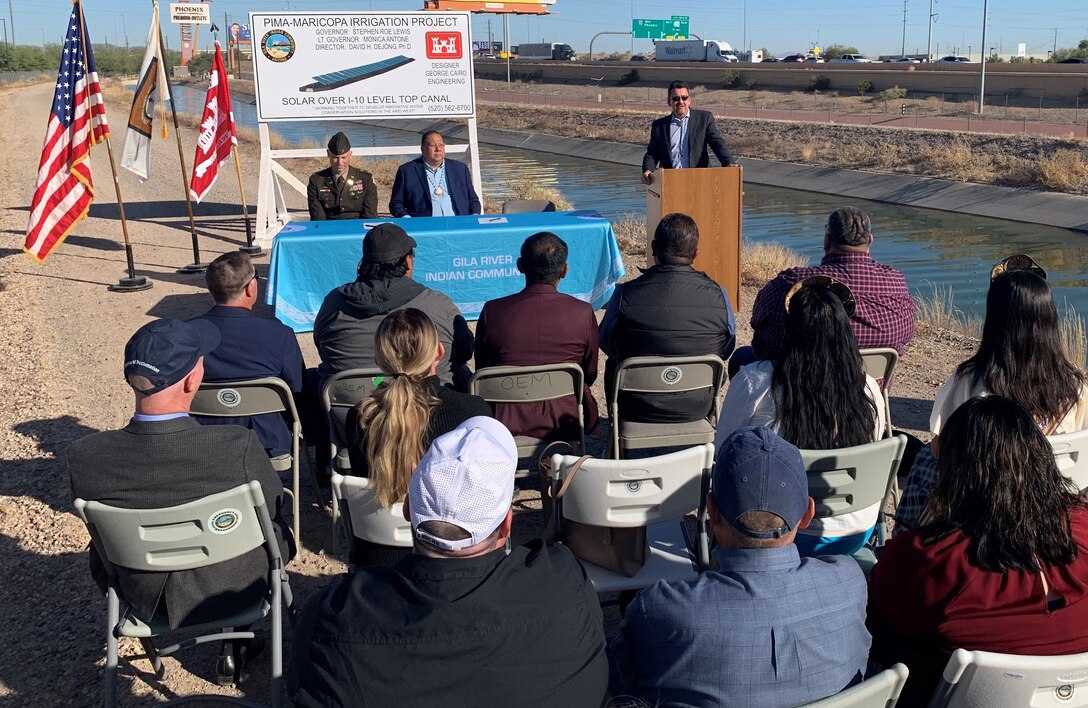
x,y
490,38
903,49
124,28
929,42
1055,41
11,15
982,72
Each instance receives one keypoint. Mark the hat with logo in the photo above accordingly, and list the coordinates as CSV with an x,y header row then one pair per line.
x,y
756,470
165,351
386,242
466,479
338,144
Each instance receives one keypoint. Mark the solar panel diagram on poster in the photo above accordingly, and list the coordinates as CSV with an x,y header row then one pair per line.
x,y
336,79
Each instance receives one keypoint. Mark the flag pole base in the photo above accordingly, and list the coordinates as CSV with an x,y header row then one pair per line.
x,y
130,285
252,250
193,268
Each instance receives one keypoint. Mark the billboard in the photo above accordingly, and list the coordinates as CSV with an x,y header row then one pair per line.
x,y
199,13
310,65
239,33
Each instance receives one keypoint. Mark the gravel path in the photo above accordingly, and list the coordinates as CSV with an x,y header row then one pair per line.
x,y
60,368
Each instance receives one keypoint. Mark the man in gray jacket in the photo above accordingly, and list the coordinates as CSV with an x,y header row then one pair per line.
x,y
349,316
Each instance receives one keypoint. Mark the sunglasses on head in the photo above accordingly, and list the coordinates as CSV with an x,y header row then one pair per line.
x,y
1017,262
839,288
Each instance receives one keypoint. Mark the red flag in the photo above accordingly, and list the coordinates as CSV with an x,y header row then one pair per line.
x,y
63,192
213,143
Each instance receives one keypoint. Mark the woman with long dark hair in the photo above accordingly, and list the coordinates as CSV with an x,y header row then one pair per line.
x,y
1000,562
1020,357
392,428
816,395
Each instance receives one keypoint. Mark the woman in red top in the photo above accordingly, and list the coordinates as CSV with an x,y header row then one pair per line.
x,y
1001,560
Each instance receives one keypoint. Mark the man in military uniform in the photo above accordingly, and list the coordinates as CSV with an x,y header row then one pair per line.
x,y
341,191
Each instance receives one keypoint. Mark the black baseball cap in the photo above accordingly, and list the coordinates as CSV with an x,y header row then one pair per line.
x,y
385,243
165,351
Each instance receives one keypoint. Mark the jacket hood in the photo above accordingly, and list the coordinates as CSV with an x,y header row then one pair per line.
x,y
367,298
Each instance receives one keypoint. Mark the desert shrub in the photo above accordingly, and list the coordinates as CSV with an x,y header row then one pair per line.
x,y
864,87
630,230
759,262
1064,171
893,93
532,189
818,83
730,78
750,84
629,78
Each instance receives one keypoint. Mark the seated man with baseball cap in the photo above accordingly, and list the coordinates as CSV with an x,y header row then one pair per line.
x,y
768,627
461,621
163,458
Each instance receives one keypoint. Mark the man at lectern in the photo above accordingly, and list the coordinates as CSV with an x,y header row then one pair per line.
x,y
681,138
341,191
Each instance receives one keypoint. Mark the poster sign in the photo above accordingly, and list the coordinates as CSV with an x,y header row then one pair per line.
x,y
197,12
311,66
240,34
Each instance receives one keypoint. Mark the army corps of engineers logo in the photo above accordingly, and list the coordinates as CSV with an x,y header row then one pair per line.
x,y
278,46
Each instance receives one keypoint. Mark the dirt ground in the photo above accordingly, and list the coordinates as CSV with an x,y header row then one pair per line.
x,y
60,368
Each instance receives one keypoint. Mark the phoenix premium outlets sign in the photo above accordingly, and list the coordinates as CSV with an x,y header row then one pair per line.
x,y
311,66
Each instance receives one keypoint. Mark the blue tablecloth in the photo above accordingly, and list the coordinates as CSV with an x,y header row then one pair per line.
x,y
470,258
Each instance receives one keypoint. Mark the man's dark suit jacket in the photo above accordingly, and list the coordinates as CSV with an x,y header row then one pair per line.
x,y
148,465
412,193
540,325
702,134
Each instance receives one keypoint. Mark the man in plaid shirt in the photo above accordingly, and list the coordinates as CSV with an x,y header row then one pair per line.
x,y
885,310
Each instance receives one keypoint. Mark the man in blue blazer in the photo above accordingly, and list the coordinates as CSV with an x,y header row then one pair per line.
x,y
681,138
431,185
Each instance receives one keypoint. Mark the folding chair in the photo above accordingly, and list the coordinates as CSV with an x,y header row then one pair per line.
x,y
201,533
526,206
852,479
342,391
531,384
880,691
662,374
1071,454
983,679
656,492
365,519
880,364
230,399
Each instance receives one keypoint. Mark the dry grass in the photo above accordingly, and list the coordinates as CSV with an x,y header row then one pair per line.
x,y
1074,336
760,262
808,152
530,189
939,310
1064,171
630,232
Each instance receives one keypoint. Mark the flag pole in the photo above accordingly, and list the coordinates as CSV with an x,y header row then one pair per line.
x,y
196,266
133,282
249,247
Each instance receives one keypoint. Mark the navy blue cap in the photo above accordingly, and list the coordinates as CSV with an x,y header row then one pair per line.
x,y
165,351
756,470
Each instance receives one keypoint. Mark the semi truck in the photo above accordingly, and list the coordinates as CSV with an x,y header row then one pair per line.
x,y
548,50
694,50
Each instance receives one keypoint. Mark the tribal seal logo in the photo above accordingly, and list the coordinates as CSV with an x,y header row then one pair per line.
x,y
672,375
1064,692
229,397
634,485
278,46
224,521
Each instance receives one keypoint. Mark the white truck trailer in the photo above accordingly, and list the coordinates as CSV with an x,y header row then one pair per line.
x,y
694,50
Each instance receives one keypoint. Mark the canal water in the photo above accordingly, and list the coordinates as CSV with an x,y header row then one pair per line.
x,y
934,249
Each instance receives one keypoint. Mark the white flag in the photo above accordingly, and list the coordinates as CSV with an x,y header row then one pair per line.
x,y
151,93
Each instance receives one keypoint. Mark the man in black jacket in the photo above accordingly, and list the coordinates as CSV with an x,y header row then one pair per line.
x,y
164,458
681,138
670,310
460,622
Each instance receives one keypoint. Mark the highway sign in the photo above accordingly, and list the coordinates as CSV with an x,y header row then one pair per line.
x,y
674,28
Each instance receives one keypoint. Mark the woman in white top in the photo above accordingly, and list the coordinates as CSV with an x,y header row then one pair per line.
x,y
816,395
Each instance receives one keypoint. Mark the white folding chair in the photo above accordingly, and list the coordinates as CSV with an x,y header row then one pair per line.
x,y
343,391
851,480
656,492
262,396
983,679
664,375
880,364
1071,454
364,518
201,533
532,384
880,691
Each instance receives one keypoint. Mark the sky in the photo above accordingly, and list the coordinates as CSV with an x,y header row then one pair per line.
x,y
875,27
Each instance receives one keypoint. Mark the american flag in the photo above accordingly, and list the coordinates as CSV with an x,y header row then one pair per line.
x,y
64,190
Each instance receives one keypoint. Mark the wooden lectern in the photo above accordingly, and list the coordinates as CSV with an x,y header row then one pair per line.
x,y
712,196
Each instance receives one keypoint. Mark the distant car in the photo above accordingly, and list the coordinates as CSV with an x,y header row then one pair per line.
x,y
905,60
1074,60
954,60
770,60
815,60
852,59
794,57
639,57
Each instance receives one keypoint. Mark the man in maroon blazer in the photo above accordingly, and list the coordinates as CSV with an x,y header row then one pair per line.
x,y
540,325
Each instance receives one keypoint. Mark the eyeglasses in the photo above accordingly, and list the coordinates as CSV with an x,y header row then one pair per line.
x,y
680,99
256,276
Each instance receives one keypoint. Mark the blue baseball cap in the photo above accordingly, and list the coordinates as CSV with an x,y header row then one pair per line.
x,y
756,470
165,351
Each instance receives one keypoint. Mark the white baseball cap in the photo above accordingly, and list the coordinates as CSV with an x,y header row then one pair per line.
x,y
466,478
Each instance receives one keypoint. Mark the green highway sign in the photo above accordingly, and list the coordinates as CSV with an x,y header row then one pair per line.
x,y
674,28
